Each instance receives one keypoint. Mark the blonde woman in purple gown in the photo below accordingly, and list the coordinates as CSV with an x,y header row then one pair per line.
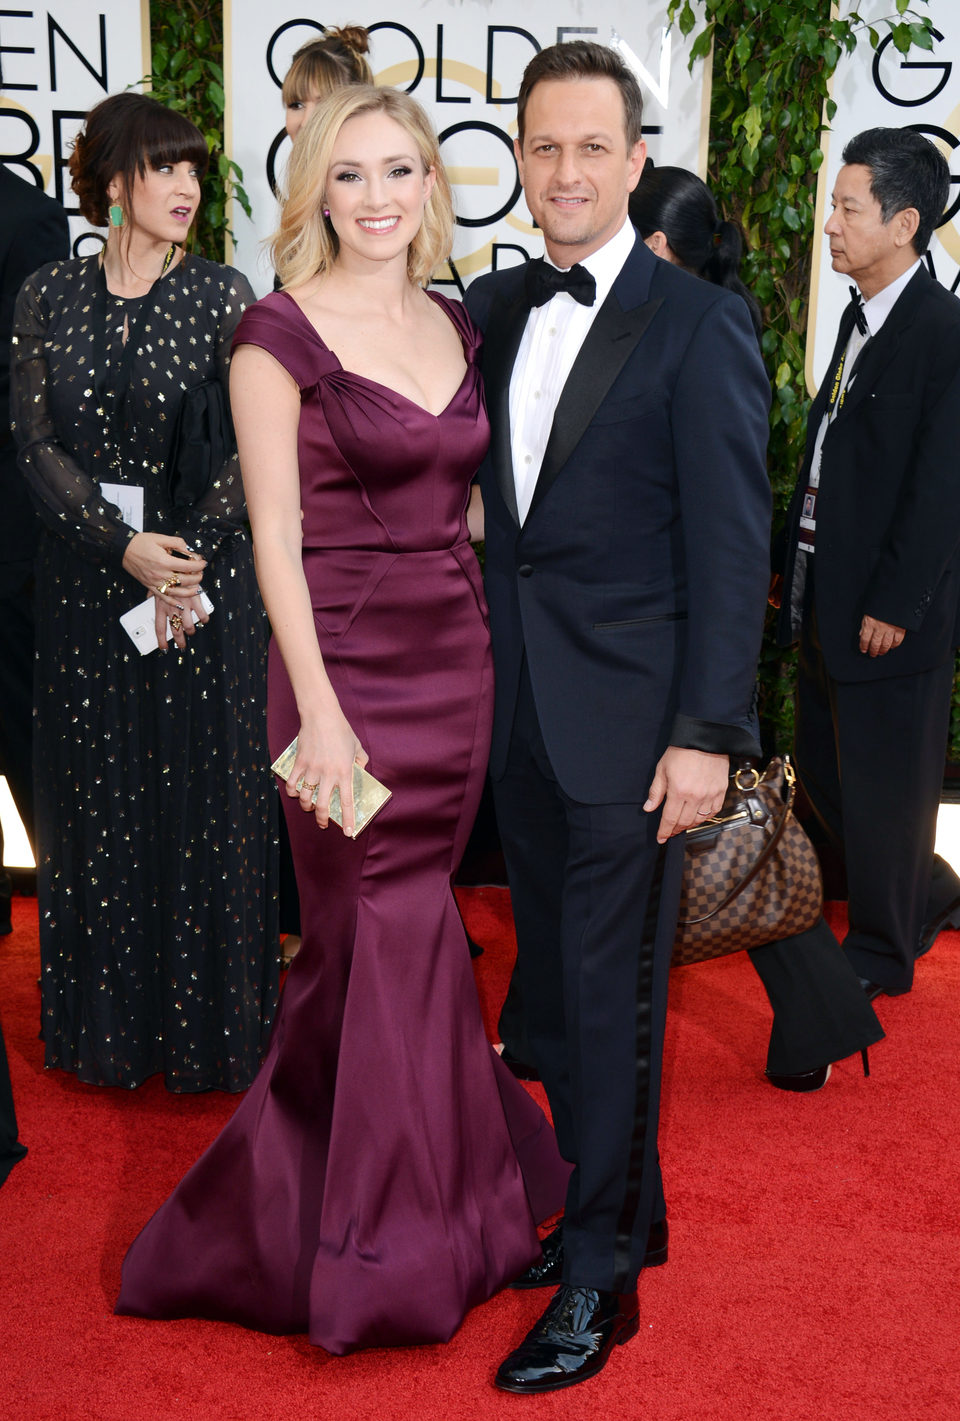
x,y
385,1171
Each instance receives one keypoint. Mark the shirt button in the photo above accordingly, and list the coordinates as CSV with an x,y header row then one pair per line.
x,y
536,394
528,458
552,331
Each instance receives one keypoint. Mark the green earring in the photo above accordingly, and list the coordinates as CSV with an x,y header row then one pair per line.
x,y
116,215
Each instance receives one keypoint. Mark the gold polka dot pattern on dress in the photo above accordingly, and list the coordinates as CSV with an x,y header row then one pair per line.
x,y
155,807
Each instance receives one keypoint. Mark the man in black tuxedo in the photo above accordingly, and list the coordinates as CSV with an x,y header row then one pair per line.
x,y
871,575
33,230
627,524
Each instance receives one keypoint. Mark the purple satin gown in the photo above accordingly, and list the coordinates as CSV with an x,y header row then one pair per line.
x,y
384,1171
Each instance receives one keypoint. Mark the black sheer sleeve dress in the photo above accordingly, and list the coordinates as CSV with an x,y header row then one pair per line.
x,y
156,829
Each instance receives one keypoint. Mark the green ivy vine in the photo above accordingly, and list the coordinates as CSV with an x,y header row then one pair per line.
x,y
772,66
187,75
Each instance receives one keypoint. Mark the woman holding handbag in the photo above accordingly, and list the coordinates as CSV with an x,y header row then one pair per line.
x,y
156,851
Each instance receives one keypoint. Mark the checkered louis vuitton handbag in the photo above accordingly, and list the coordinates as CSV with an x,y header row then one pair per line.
x,y
750,875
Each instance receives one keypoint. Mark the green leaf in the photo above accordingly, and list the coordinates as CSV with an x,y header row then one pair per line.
x,y
701,45
753,125
902,38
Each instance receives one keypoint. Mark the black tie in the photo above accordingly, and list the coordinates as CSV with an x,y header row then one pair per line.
x,y
858,315
544,281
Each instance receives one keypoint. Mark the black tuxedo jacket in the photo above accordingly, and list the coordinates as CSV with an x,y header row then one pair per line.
x,y
636,585
33,230
888,509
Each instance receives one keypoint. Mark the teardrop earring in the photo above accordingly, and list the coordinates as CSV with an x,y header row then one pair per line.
x,y
116,215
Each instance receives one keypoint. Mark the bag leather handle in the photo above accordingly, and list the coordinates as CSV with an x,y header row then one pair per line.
x,y
761,858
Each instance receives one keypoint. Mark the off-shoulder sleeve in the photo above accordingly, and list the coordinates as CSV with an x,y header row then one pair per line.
x,y
221,512
69,502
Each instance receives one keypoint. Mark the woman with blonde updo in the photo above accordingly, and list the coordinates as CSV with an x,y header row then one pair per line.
x,y
385,1172
319,68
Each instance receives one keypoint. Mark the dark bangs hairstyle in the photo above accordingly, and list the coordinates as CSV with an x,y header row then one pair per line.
x,y
123,136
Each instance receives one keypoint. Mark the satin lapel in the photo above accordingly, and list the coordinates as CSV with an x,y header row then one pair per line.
x,y
610,342
501,341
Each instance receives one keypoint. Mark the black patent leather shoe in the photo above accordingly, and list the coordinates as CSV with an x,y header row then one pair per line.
x,y
548,1271
875,989
948,918
802,1082
572,1340
521,1069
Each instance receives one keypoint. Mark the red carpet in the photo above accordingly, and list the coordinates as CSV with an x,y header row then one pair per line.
x,y
815,1241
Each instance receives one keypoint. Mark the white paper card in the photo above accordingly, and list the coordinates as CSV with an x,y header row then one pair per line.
x,y
129,499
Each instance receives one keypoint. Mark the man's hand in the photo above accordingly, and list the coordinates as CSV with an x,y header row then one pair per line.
x,y
877,638
690,784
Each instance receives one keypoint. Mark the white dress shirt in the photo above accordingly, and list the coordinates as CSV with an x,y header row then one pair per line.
x,y
875,312
551,343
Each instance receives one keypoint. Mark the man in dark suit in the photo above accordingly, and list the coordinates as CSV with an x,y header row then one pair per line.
x,y
627,524
33,229
871,577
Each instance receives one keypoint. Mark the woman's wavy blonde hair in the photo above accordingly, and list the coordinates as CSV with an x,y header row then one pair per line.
x,y
305,243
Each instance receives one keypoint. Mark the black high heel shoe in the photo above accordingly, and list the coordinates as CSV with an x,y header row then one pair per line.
x,y
804,1082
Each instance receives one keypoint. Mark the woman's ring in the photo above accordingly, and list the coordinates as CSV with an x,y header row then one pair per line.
x,y
163,587
310,786
176,621
174,580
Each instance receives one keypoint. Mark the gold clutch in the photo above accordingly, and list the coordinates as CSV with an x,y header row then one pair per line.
x,y
369,794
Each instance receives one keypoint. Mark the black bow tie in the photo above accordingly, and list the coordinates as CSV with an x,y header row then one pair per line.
x,y
858,315
544,281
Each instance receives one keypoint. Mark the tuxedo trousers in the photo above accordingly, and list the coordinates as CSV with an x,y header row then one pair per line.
x,y
16,698
11,1149
595,902
870,757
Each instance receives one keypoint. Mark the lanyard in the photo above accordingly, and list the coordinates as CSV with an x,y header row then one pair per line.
x,y
835,389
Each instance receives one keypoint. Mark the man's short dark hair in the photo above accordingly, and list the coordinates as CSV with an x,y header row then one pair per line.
x,y
581,59
906,170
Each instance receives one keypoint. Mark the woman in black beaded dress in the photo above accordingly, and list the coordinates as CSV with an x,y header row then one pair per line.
x,y
155,811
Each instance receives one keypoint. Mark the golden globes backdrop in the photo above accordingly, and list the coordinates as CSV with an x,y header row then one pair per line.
x,y
463,61
887,89
56,61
